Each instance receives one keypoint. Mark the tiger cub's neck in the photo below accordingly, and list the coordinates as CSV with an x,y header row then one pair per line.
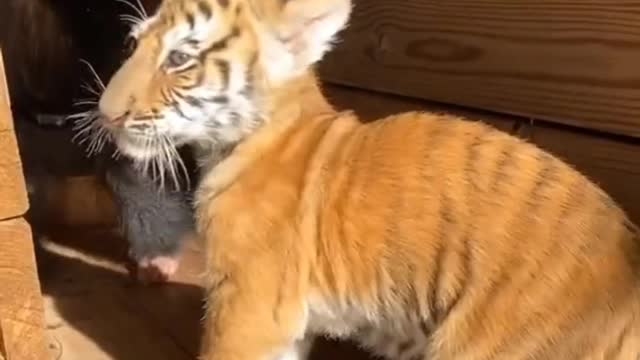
x,y
292,105
295,101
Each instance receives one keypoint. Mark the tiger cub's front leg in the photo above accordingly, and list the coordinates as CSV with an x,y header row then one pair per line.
x,y
254,313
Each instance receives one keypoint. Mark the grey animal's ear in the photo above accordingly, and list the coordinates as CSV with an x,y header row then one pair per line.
x,y
297,33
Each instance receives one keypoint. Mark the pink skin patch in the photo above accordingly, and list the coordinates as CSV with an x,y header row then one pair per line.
x,y
157,270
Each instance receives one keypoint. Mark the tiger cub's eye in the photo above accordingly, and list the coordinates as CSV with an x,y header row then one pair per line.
x,y
177,58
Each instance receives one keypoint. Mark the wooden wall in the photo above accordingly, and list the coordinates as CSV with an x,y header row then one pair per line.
x,y
571,62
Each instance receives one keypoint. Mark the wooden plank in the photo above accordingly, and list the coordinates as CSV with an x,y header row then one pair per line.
x,y
372,106
571,62
5,104
21,306
13,193
613,164
78,201
12,185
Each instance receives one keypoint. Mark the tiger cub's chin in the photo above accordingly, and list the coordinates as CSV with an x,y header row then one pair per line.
x,y
138,149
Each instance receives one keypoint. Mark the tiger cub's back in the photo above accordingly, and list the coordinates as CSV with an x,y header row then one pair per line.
x,y
496,245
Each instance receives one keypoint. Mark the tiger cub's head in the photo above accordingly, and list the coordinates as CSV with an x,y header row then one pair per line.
x,y
202,70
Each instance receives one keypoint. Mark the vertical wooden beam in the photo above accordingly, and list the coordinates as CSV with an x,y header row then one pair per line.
x,y
13,193
21,306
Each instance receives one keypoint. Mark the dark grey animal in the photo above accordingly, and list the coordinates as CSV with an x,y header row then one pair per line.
x,y
155,222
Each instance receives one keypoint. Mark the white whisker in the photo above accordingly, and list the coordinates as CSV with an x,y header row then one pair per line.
x,y
170,159
177,159
82,132
145,151
80,115
82,127
89,132
131,19
141,12
103,138
86,102
144,11
98,80
159,160
90,89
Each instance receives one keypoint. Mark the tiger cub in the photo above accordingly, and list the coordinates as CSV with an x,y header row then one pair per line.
x,y
422,236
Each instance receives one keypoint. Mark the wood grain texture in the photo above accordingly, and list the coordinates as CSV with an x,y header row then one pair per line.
x,y
571,62
5,104
371,106
21,306
79,201
13,193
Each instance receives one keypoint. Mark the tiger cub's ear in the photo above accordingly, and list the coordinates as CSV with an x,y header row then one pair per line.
x,y
297,33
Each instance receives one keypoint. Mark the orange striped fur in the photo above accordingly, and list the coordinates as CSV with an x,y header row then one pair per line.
x,y
421,236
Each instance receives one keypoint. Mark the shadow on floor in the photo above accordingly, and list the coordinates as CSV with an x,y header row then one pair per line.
x,y
96,312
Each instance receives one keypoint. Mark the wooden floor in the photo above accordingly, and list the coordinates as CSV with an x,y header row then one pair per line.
x,y
95,312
